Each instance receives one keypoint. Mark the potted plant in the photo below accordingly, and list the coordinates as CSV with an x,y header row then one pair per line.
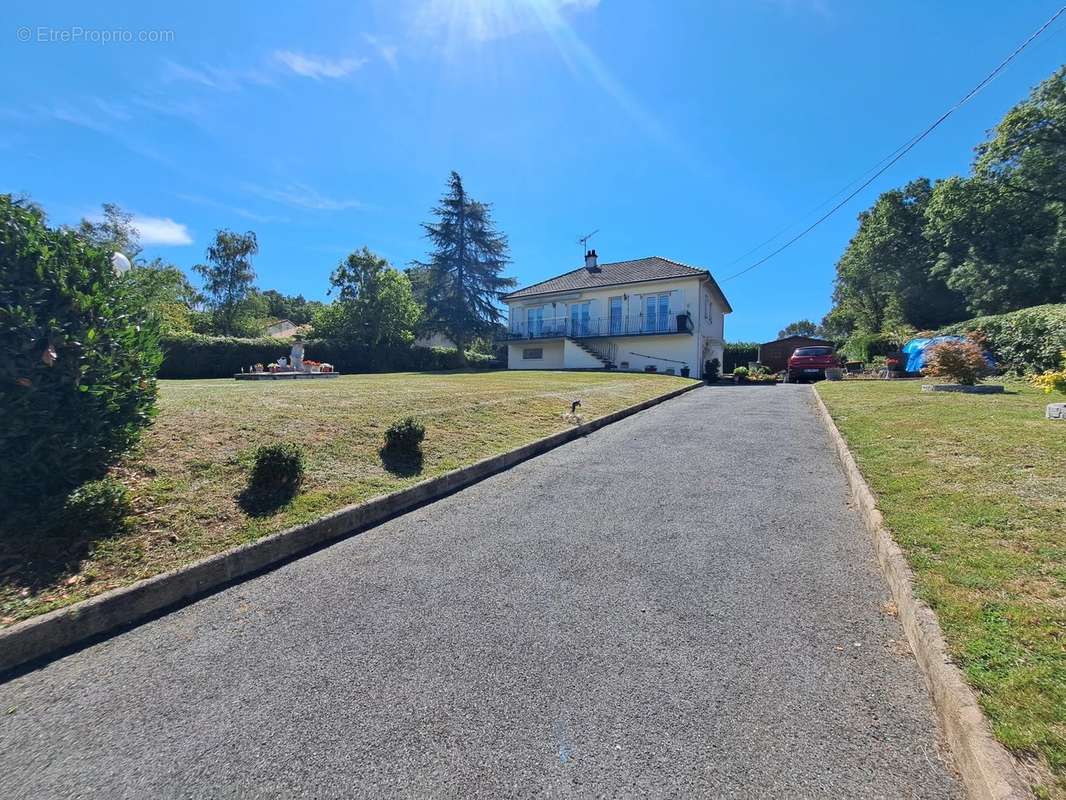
x,y
685,371
710,370
740,375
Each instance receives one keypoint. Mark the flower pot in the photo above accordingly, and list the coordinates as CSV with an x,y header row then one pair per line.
x,y
685,372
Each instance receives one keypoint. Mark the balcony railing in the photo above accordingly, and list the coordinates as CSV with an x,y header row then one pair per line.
x,y
588,328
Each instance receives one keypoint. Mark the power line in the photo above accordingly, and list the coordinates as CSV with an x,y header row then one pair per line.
x,y
903,150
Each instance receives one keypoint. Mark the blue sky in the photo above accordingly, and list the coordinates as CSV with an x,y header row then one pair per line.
x,y
693,130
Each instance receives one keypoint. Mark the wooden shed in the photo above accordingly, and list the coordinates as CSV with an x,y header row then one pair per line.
x,y
774,355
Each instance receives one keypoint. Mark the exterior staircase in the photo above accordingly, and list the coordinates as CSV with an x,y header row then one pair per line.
x,y
605,357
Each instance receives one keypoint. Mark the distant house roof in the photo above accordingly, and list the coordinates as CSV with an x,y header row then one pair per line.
x,y
813,340
280,327
652,268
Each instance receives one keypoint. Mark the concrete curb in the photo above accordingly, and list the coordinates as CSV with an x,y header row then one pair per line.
x,y
63,628
987,769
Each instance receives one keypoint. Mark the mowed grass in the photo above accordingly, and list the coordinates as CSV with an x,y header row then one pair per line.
x,y
188,472
974,489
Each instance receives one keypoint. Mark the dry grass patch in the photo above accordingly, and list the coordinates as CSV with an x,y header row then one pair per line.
x,y
187,475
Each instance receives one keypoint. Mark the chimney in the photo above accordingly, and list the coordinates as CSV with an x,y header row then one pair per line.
x,y
590,261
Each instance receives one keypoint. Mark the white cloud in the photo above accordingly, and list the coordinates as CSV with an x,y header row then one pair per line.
x,y
223,79
302,196
318,67
161,230
236,210
387,51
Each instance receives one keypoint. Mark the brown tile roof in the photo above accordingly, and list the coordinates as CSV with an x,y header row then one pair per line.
x,y
651,268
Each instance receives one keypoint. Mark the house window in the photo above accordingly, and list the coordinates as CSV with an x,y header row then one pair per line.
x,y
530,353
616,315
535,321
656,312
579,319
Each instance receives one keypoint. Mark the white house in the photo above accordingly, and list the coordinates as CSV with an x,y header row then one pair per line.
x,y
628,315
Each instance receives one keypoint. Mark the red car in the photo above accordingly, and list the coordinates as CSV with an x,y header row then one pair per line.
x,y
811,362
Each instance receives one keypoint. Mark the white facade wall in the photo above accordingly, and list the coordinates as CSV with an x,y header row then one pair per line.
x,y
576,358
664,352
551,354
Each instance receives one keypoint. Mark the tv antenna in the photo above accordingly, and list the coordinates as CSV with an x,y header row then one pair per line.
x,y
584,240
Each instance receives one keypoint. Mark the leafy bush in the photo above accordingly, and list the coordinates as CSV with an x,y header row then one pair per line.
x,y
1024,341
1052,380
868,346
961,362
197,356
276,467
95,508
710,369
405,436
78,358
740,372
737,354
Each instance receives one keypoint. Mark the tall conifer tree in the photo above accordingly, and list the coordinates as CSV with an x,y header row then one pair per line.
x,y
462,278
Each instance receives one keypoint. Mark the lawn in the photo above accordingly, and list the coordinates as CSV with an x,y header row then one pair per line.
x,y
973,489
188,472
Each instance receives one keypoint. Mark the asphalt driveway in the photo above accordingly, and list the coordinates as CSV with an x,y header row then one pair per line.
x,y
681,604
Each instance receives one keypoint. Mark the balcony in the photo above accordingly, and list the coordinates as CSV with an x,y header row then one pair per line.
x,y
598,327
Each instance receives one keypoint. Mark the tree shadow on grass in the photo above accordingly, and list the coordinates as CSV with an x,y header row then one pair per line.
x,y
402,465
262,501
36,551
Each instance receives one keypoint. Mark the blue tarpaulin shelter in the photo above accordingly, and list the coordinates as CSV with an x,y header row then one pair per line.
x,y
916,351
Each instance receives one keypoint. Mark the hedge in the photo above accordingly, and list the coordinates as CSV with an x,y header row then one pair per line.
x,y
197,356
1029,340
868,346
738,354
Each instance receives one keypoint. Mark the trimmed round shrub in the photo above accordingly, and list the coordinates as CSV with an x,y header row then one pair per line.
x,y
94,509
276,467
78,359
959,362
405,436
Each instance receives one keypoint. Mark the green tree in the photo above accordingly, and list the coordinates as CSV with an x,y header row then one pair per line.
x,y
78,357
374,304
1027,150
163,290
803,327
462,281
1000,249
293,307
229,276
886,275
113,232
1003,230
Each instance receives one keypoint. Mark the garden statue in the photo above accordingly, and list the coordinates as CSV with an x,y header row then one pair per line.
x,y
297,354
